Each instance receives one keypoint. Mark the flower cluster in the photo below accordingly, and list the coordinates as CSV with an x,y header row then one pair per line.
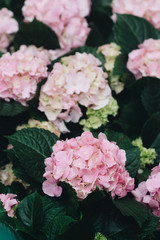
x,y
32,123
21,71
147,156
8,26
145,61
76,79
149,192
86,163
111,52
66,18
6,175
95,118
9,203
148,9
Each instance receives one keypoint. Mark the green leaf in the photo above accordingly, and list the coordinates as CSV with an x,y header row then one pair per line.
x,y
58,226
149,226
156,146
130,207
36,33
7,233
120,64
16,188
18,168
101,23
2,210
69,199
51,208
131,118
11,108
31,147
130,31
108,220
151,96
30,212
151,129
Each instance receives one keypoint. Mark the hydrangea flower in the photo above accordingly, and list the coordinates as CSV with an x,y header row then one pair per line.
x,y
66,18
21,71
6,175
148,192
9,203
8,26
148,9
147,156
111,52
95,118
85,163
145,61
32,123
77,79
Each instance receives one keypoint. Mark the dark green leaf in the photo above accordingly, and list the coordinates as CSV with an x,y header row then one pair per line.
x,y
151,129
133,160
101,23
120,64
132,208
131,118
149,226
51,208
18,168
58,226
30,212
38,34
16,188
156,146
7,233
69,199
151,96
31,147
130,31
11,108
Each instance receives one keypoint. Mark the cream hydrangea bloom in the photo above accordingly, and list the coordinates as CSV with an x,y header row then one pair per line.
x,y
77,79
111,52
32,123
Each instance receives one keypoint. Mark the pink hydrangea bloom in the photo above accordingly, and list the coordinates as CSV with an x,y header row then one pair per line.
x,y
8,26
66,18
148,9
149,192
145,61
86,162
76,79
21,71
9,201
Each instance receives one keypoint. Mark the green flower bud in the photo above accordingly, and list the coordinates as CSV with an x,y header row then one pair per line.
x,y
147,156
95,118
100,236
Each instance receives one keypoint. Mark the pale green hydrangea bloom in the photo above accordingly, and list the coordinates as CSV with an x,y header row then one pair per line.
x,y
95,118
32,123
100,236
110,52
147,156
